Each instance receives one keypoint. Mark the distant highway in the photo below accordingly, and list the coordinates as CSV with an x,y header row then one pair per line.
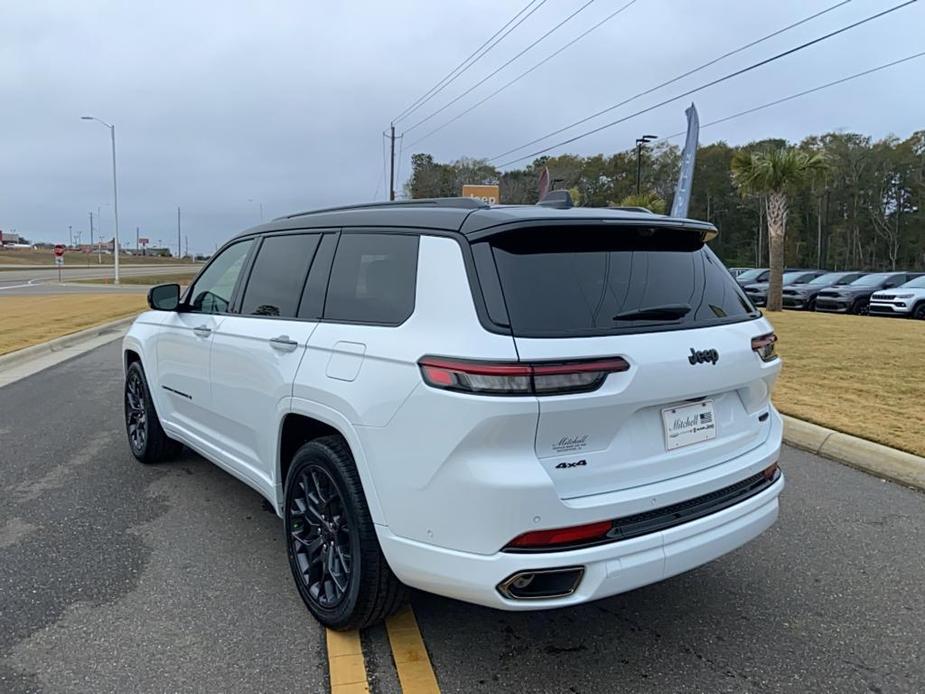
x,y
44,279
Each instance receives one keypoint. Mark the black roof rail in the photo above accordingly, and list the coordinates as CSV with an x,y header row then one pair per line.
x,y
630,208
558,199
460,203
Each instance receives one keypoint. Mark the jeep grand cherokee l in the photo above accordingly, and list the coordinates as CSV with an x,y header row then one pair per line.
x,y
523,407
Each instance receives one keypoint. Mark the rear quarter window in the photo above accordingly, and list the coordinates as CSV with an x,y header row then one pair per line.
x,y
582,281
373,278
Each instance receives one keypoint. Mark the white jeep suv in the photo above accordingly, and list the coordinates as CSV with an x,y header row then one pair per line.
x,y
523,407
905,300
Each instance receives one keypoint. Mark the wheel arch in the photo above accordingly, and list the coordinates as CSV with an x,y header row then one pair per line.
x,y
306,421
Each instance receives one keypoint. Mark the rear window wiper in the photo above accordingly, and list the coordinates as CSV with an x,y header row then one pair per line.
x,y
664,312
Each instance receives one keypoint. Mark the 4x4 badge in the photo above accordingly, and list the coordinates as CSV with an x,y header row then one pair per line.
x,y
703,355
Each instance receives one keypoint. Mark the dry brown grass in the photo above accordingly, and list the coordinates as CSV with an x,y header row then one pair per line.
x,y
181,278
861,375
29,256
29,320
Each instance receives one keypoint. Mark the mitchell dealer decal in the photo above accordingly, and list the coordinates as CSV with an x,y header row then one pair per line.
x,y
570,443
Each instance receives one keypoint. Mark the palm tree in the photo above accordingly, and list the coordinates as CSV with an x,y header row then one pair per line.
x,y
773,174
650,201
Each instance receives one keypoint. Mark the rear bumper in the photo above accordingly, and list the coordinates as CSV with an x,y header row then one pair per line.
x,y
609,569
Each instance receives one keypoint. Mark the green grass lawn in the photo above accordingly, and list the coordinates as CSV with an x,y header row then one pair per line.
x,y
861,375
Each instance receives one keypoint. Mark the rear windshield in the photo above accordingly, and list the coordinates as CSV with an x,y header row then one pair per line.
x,y
575,281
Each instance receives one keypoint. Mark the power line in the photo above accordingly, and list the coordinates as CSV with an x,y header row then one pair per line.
x,y
675,79
527,72
736,73
802,93
495,72
474,58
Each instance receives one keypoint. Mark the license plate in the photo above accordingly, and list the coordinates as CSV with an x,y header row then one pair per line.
x,y
689,424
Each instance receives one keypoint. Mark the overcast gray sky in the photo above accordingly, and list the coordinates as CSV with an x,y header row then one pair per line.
x,y
220,103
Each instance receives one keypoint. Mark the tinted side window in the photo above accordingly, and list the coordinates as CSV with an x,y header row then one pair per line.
x,y
276,281
212,291
373,278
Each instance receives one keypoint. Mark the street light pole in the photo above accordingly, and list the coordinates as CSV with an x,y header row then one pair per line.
x,y
640,142
115,195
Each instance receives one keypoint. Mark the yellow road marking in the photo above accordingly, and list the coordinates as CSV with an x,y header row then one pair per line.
x,y
411,660
345,663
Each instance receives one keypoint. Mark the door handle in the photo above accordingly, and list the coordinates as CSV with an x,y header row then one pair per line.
x,y
283,343
202,331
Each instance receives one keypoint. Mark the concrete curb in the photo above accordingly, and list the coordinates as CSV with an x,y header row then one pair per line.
x,y
45,354
874,458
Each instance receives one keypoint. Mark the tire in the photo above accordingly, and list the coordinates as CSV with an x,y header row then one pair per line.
x,y
919,311
811,305
146,438
337,564
860,308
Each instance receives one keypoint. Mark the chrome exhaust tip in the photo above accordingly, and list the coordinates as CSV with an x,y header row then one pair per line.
x,y
542,584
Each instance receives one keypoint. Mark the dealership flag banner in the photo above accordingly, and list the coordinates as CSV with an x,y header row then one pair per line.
x,y
682,194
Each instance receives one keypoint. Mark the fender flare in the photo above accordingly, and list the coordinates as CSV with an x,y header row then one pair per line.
x,y
336,420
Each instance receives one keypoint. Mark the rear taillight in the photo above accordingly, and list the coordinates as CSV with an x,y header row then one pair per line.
x,y
771,472
516,378
763,346
560,537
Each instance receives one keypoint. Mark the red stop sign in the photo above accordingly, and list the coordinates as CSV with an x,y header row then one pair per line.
x,y
59,250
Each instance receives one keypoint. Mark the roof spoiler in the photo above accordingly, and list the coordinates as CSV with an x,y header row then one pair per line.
x,y
558,199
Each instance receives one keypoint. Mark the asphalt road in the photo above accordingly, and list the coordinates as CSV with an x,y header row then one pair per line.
x,y
45,280
118,577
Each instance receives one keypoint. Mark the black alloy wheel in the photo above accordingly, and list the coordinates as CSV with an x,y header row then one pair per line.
x,y
338,566
146,437
136,416
319,537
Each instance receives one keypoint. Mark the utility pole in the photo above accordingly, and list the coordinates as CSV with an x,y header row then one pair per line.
x,y
70,235
91,232
179,247
137,229
640,142
392,162
186,238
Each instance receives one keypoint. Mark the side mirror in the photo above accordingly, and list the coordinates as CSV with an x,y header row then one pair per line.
x,y
164,297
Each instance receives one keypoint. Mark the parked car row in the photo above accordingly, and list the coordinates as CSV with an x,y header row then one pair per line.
x,y
883,293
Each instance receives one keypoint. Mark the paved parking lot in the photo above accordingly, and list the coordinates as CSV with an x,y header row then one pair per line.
x,y
116,577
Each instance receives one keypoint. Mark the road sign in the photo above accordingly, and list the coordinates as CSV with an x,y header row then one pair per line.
x,y
59,260
59,250
490,193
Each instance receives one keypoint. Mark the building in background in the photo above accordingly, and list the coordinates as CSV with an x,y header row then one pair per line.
x,y
8,238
